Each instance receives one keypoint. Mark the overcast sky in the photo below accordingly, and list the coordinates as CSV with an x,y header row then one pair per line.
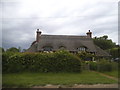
x,y
21,18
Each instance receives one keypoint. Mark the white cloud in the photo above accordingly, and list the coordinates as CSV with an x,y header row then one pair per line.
x,y
76,17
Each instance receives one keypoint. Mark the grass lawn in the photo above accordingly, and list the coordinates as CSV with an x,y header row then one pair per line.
x,y
112,73
38,79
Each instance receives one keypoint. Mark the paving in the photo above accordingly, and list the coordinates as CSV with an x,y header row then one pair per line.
x,y
83,85
79,86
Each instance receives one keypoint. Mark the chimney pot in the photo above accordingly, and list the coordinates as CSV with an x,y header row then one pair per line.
x,y
38,35
89,34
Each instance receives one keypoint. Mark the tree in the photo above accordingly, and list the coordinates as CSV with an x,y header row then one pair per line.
x,y
85,56
24,50
115,52
12,49
2,49
104,43
19,49
105,37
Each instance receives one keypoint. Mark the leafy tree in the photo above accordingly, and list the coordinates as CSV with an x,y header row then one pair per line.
x,y
85,56
24,50
12,49
105,37
104,43
19,49
115,52
2,49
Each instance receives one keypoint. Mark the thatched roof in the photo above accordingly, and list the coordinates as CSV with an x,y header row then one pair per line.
x,y
101,52
71,43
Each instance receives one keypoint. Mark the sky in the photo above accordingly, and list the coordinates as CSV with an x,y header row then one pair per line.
x,y
20,19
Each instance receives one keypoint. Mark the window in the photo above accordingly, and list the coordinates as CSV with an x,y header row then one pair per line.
x,y
81,49
62,47
47,48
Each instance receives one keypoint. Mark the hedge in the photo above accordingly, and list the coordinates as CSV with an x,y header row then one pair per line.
x,y
60,61
93,66
103,65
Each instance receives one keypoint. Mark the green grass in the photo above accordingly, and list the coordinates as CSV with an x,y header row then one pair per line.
x,y
112,73
38,79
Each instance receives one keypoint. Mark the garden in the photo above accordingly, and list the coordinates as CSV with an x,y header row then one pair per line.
x,y
56,68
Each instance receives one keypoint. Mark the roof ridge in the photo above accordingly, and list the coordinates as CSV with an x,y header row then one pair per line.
x,y
61,35
83,36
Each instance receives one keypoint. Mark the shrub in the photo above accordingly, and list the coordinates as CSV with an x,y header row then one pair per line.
x,y
85,56
114,66
60,61
5,60
68,61
14,63
93,65
104,65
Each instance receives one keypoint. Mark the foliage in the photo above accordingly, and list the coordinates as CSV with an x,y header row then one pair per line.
x,y
60,61
93,66
115,52
85,56
103,66
12,49
104,43
24,50
5,60
19,48
2,49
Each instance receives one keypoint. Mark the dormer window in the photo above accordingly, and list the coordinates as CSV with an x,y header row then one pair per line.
x,y
81,49
47,48
62,47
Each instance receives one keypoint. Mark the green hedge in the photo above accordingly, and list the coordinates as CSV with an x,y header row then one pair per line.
x,y
103,65
93,66
60,61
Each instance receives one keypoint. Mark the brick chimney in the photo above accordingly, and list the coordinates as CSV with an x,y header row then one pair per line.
x,y
38,35
89,34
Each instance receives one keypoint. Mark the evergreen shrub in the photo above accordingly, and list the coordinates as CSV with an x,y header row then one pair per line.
x,y
60,61
104,65
93,65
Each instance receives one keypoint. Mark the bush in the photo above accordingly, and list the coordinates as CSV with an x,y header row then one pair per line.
x,y
67,61
60,61
93,65
5,60
103,66
85,56
14,63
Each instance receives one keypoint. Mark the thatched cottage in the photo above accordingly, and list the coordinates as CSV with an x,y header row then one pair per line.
x,y
71,43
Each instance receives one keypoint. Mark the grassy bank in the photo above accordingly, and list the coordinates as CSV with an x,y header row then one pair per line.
x,y
37,79
112,73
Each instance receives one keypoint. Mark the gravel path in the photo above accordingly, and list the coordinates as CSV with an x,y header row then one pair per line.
x,y
84,86
102,74
80,86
